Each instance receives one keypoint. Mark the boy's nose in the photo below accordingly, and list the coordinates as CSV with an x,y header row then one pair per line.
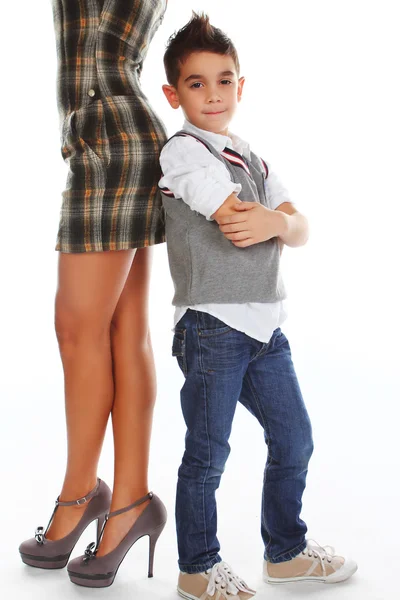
x,y
213,96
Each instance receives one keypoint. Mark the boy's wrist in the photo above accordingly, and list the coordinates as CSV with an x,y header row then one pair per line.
x,y
283,224
226,207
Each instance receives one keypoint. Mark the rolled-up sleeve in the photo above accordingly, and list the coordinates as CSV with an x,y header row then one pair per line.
x,y
275,192
195,175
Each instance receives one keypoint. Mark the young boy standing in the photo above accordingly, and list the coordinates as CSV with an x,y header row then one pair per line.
x,y
227,218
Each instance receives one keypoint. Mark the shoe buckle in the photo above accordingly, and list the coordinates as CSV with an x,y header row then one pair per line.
x,y
39,535
82,500
90,552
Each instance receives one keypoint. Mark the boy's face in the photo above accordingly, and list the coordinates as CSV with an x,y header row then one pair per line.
x,y
208,91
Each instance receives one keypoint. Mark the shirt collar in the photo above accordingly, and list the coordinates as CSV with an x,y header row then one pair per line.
x,y
220,141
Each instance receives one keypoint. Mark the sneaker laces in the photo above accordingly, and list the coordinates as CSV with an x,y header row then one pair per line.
x,y
314,550
224,580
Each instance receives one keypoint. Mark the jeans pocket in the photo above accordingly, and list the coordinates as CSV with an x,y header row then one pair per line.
x,y
179,349
279,342
210,325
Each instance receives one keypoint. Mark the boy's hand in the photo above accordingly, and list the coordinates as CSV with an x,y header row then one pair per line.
x,y
252,223
227,208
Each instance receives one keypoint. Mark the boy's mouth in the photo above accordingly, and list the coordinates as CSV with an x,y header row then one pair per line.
x,y
219,112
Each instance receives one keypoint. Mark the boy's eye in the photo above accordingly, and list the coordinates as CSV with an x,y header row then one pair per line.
x,y
226,81
196,85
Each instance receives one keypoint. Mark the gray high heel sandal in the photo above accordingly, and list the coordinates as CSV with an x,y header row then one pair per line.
x,y
92,571
54,554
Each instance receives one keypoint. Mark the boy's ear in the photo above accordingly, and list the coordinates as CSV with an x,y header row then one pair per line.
x,y
172,95
240,88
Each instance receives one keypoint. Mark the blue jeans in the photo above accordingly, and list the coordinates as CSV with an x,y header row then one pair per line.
x,y
221,367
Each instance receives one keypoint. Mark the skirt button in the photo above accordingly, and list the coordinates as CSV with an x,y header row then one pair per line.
x,y
91,93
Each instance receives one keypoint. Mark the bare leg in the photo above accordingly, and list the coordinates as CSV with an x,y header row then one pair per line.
x,y
89,288
134,397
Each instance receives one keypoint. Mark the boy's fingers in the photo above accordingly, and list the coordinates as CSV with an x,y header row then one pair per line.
x,y
242,235
244,243
245,206
234,228
232,219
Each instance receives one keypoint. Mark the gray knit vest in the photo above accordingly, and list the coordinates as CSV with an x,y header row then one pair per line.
x,y
205,266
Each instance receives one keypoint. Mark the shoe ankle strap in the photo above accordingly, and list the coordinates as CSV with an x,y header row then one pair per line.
x,y
82,500
148,496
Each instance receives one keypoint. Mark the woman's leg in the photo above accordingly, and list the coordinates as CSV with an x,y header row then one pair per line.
x,y
89,288
134,397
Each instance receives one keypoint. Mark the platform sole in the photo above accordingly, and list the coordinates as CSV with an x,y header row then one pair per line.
x,y
94,582
53,562
40,562
107,579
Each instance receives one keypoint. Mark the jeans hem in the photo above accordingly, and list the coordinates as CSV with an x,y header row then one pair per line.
x,y
287,555
193,569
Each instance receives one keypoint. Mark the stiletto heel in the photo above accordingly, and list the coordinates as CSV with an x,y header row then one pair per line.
x,y
54,554
92,571
100,524
153,537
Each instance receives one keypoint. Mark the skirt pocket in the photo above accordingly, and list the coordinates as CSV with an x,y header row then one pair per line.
x,y
86,126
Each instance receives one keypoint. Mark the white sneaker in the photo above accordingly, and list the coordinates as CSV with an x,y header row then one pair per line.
x,y
218,583
316,563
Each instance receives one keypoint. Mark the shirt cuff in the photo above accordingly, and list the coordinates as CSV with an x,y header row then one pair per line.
x,y
278,200
220,192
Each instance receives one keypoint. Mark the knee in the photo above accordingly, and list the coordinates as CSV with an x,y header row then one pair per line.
x,y
301,451
304,452
77,325
132,338
192,471
202,468
310,447
292,454
305,446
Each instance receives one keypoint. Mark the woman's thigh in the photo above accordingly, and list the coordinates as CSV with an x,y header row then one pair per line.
x,y
130,317
89,288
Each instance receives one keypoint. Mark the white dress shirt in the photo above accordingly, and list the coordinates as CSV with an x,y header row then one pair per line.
x,y
192,173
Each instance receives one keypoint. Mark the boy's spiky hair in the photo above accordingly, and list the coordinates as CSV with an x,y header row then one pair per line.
x,y
198,35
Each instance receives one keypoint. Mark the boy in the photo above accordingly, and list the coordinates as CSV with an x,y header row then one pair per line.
x,y
227,217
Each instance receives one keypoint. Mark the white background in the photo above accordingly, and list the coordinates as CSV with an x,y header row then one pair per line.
x,y
321,104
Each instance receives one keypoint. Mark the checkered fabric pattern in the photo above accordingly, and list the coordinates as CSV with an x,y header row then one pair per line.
x,y
111,137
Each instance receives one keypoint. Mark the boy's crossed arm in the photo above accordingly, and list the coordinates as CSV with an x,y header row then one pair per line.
x,y
202,182
191,173
227,208
248,223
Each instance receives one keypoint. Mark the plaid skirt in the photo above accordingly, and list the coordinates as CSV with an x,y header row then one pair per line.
x,y
111,137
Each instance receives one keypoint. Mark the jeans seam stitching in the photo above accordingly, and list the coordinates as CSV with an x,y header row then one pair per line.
x,y
253,391
208,437
266,429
